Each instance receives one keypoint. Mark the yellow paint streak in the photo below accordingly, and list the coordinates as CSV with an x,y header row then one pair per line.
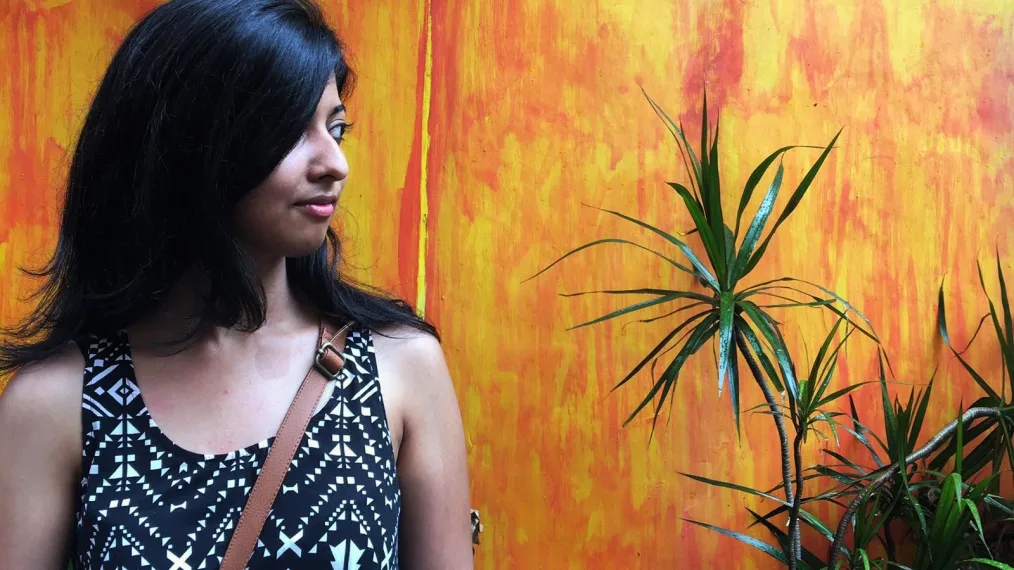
x,y
424,206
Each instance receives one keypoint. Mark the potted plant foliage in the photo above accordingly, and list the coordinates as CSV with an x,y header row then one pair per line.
x,y
898,492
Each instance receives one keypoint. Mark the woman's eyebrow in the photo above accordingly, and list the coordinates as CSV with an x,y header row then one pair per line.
x,y
336,110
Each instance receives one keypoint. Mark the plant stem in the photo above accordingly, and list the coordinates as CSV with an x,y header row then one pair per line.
x,y
889,545
797,545
932,444
782,437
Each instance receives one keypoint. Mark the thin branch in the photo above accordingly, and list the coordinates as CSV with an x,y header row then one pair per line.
x,y
782,436
935,442
797,545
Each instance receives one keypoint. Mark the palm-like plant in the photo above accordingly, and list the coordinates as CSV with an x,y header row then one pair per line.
x,y
939,512
717,306
807,415
947,527
955,519
996,430
721,308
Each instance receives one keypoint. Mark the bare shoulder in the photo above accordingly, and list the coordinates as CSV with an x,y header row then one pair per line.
x,y
48,385
40,461
43,400
432,464
410,349
412,365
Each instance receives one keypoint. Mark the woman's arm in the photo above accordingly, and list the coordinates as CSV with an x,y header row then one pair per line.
x,y
435,532
40,457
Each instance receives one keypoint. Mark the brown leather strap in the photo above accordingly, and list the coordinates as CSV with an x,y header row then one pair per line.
x,y
327,364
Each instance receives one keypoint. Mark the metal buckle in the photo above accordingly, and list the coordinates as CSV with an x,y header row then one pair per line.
x,y
320,355
329,346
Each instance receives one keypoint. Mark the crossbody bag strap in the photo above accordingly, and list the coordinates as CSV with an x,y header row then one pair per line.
x,y
327,364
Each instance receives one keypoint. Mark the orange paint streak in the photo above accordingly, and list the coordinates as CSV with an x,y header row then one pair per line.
x,y
408,237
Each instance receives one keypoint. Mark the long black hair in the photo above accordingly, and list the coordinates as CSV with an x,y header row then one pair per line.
x,y
198,105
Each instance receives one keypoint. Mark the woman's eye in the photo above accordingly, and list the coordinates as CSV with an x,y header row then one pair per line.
x,y
339,130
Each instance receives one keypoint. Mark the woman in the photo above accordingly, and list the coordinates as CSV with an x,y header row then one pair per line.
x,y
181,311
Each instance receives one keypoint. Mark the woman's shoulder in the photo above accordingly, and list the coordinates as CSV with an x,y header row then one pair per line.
x,y
411,353
412,363
47,383
42,402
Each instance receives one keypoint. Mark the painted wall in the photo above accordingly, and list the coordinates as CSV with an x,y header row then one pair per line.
x,y
482,128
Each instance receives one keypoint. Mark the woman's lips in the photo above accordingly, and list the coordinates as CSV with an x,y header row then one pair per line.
x,y
318,210
321,206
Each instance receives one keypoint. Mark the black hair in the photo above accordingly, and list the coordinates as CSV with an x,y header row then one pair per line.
x,y
198,105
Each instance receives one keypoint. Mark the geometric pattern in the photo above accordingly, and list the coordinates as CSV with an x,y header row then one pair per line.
x,y
145,502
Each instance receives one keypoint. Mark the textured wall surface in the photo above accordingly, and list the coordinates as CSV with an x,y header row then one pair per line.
x,y
481,129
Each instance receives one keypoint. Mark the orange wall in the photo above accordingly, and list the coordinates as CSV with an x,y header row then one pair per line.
x,y
482,127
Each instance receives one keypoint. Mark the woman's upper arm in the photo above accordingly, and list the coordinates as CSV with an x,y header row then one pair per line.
x,y
432,467
40,454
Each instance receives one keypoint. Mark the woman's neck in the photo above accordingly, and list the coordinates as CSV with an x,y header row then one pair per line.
x,y
285,311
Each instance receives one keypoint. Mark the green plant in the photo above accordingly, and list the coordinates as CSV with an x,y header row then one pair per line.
x,y
948,511
950,520
721,307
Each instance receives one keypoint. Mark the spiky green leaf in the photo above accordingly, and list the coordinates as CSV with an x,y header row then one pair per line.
x,y
794,200
709,238
959,438
757,226
683,247
671,261
661,345
702,331
764,547
726,306
661,299
758,349
681,139
809,559
763,324
920,415
755,178
990,563
1005,303
645,291
733,486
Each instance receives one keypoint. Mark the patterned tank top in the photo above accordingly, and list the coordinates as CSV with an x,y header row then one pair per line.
x,y
147,503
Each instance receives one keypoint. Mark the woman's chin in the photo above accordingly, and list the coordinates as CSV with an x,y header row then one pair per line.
x,y
307,247
298,246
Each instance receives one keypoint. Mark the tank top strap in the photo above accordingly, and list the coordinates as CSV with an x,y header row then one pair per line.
x,y
359,354
109,391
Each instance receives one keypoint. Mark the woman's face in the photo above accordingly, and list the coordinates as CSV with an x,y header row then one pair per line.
x,y
287,215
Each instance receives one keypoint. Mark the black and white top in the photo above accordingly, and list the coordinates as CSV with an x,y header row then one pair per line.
x,y
147,503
